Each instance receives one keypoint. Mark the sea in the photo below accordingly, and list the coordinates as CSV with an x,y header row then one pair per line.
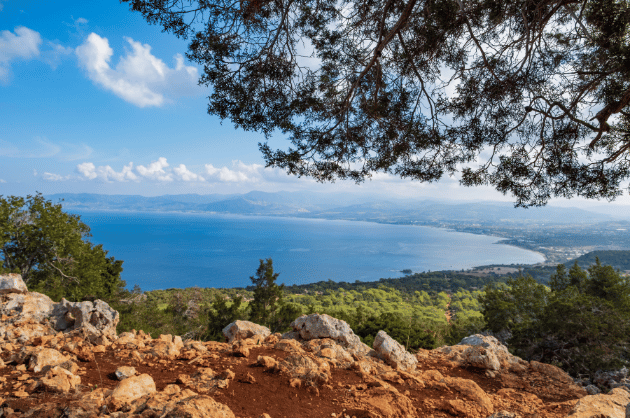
x,y
178,250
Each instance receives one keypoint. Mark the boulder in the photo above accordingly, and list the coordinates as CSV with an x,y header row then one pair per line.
x,y
239,330
60,380
96,320
611,405
199,407
12,283
393,353
316,326
130,389
46,357
484,352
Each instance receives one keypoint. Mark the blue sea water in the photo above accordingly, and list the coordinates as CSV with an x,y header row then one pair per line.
x,y
177,250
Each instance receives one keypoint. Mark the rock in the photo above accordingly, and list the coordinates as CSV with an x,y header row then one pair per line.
x,y
314,371
200,407
46,357
60,380
592,390
316,326
484,352
611,405
468,389
95,321
125,372
12,283
504,414
393,353
131,389
22,307
239,330
267,362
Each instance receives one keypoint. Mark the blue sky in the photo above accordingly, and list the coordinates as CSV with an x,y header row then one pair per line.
x,y
93,99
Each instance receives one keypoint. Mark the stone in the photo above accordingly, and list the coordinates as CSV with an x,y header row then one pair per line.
x,y
130,389
504,414
393,353
199,407
124,372
267,362
60,380
316,326
484,352
12,283
46,357
95,321
611,405
239,330
468,389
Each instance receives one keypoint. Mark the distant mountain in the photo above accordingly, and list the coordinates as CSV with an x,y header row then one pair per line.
x,y
336,206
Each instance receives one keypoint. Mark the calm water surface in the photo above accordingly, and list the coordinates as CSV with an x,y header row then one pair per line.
x,y
179,250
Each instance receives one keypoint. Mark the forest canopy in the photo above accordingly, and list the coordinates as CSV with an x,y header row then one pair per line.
x,y
530,97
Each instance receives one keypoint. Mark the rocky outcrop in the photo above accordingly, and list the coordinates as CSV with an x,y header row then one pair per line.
x,y
316,326
484,352
26,315
393,353
611,405
239,330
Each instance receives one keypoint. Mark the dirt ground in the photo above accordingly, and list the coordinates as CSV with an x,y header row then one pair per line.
x,y
256,390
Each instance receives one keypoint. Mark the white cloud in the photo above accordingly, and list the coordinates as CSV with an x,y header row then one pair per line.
x,y
249,173
106,173
186,175
139,78
155,170
55,177
23,43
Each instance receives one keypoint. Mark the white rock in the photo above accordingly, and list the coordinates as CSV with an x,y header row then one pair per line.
x,y
393,353
12,283
240,330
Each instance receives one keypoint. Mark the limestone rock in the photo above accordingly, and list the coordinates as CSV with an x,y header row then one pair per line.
x,y
60,380
124,372
316,326
200,407
312,370
46,357
239,330
131,389
393,353
611,405
484,352
12,283
95,320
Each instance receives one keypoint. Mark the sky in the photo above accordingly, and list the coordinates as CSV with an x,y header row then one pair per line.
x,y
95,100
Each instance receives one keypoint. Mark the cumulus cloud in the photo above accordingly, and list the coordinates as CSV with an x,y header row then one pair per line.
x,y
106,173
248,173
155,170
139,77
186,175
22,43
55,177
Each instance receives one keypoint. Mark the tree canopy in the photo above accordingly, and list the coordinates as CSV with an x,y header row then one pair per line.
x,y
50,249
531,97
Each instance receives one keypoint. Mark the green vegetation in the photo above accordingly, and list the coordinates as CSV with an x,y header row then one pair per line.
x,y
581,322
50,249
617,259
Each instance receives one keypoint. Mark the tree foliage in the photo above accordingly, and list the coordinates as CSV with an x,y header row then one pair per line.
x,y
582,322
531,97
50,249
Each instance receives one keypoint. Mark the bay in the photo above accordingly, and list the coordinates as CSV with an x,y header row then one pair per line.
x,y
178,250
